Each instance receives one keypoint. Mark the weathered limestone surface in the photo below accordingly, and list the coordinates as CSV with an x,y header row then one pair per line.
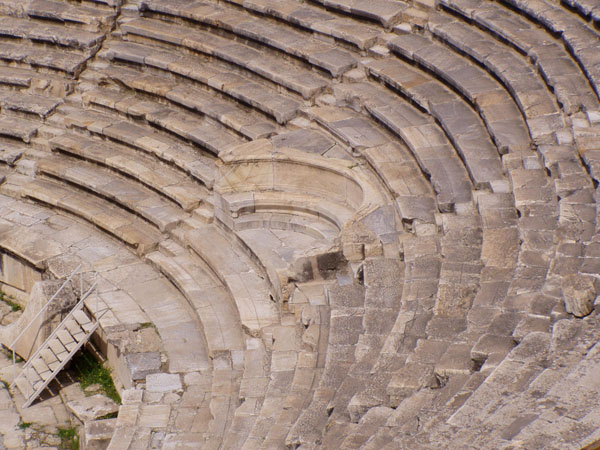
x,y
334,224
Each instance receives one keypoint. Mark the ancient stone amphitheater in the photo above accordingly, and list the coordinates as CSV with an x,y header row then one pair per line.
x,y
323,224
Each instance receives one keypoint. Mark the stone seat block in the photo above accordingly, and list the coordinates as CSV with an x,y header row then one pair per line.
x,y
10,154
65,12
18,128
59,60
52,34
386,12
33,104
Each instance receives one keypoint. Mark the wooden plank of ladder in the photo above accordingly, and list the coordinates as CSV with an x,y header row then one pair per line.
x,y
66,339
41,368
84,321
75,330
58,349
50,358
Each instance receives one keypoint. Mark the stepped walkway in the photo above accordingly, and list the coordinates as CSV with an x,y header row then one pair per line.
x,y
327,224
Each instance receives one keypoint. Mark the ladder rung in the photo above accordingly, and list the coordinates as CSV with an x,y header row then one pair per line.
x,y
83,320
66,339
58,349
50,358
41,367
32,375
75,330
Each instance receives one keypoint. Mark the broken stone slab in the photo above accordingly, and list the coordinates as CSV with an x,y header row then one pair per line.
x,y
93,407
579,294
143,364
163,382
98,433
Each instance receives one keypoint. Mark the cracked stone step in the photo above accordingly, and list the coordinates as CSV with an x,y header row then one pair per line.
x,y
387,12
67,62
31,104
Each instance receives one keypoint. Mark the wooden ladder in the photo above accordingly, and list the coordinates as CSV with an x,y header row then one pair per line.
x,y
52,356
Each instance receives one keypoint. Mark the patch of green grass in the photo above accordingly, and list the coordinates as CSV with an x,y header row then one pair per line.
x,y
24,425
9,301
89,371
69,438
9,354
112,415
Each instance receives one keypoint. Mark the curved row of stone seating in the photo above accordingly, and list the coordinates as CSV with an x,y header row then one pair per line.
x,y
584,208
290,76
433,145
50,34
86,15
236,118
136,295
170,150
211,306
554,63
514,239
170,118
406,351
580,39
574,173
430,55
465,132
308,17
327,57
588,9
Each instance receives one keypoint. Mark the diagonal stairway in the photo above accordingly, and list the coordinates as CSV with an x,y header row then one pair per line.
x,y
52,356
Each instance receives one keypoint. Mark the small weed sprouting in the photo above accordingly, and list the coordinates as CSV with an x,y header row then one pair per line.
x,y
69,438
25,425
112,415
89,371
9,301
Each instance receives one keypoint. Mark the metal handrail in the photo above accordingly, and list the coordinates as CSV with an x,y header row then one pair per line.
x,y
78,306
12,346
